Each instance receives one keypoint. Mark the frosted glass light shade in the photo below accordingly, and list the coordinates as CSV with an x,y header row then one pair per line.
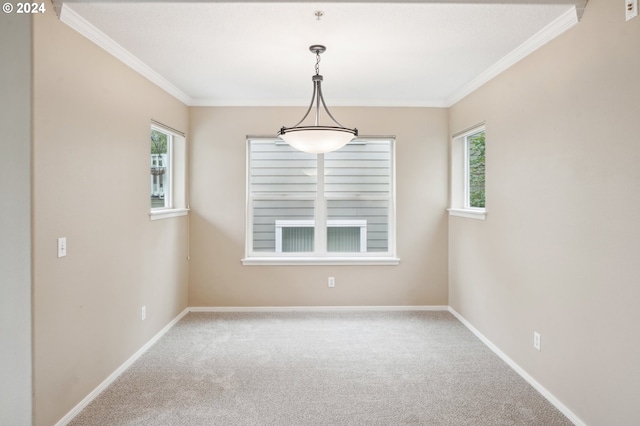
x,y
317,141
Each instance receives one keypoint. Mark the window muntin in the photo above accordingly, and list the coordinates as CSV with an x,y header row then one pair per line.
x,y
337,204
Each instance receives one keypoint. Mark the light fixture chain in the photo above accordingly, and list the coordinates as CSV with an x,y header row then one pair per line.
x,y
317,62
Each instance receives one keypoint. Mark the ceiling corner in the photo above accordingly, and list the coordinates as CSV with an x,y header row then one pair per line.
x,y
57,6
581,5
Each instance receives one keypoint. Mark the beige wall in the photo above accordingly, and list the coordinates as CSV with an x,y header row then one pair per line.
x,y
91,121
557,253
217,278
559,250
15,223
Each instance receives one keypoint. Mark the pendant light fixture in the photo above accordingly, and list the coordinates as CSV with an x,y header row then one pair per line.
x,y
317,139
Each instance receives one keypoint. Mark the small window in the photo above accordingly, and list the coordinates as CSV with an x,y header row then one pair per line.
x,y
320,208
167,173
474,166
468,174
161,143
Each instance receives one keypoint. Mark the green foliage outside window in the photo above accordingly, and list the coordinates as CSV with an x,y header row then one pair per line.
x,y
158,142
476,170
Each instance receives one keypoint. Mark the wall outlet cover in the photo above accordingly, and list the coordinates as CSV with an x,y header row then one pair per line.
x,y
631,9
62,247
536,340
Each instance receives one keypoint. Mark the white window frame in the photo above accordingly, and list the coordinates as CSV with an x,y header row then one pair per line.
x,y
459,175
321,256
167,178
176,186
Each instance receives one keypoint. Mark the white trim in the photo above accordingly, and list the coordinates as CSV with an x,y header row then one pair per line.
x,y
422,103
167,177
301,260
157,214
468,213
102,386
465,172
176,189
81,25
320,255
399,308
548,33
320,210
476,128
545,35
459,175
511,363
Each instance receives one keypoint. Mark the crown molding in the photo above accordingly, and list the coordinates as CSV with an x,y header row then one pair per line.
x,y
211,102
545,35
548,33
82,26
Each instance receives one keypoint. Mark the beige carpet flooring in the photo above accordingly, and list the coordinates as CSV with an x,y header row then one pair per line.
x,y
320,368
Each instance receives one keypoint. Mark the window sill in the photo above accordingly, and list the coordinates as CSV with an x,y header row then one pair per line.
x,y
479,214
369,261
167,213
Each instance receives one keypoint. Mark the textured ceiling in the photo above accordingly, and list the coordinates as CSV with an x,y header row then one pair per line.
x,y
393,54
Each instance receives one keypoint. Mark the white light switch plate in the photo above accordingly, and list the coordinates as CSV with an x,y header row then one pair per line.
x,y
62,247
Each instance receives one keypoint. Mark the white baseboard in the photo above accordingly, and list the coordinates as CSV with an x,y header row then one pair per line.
x,y
318,308
102,386
537,386
541,389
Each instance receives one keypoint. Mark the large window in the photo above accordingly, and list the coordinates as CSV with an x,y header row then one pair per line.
x,y
468,174
312,208
168,173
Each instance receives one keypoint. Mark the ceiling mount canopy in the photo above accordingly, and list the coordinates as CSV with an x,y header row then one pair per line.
x,y
317,139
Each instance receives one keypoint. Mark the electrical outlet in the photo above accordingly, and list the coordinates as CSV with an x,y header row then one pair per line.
x,y
62,247
630,9
536,340
143,313
332,282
